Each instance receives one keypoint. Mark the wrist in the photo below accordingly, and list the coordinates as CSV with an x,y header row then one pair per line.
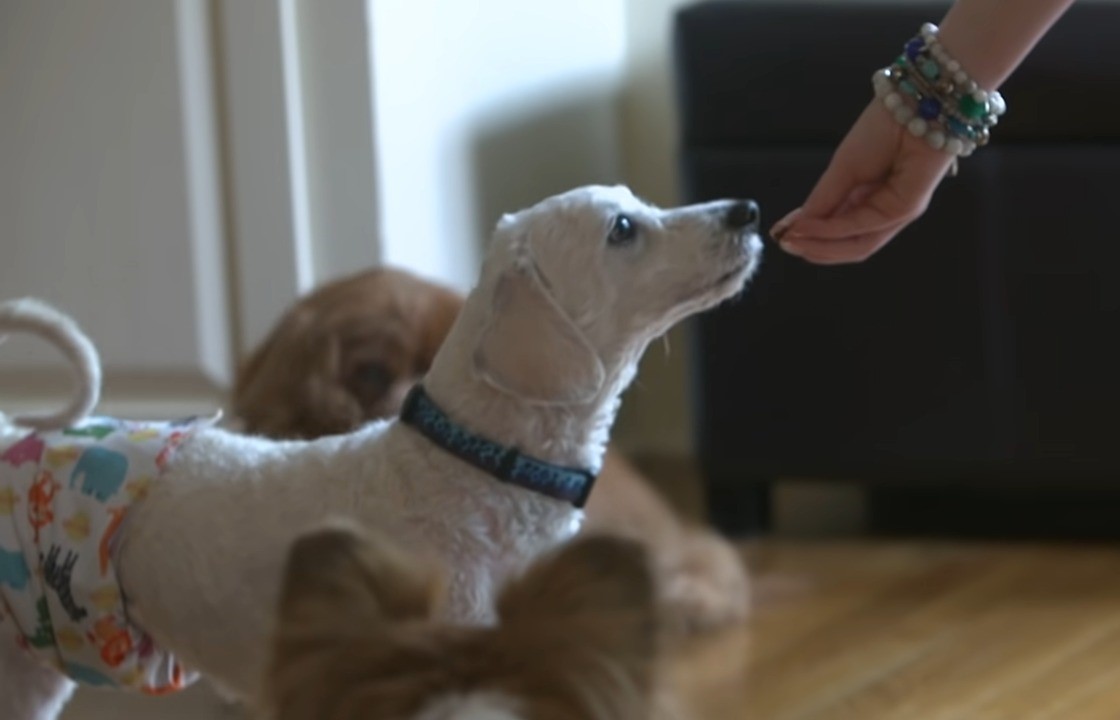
x,y
990,38
930,93
909,144
972,46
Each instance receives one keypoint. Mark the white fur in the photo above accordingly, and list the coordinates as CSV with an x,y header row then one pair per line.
x,y
30,690
480,706
200,557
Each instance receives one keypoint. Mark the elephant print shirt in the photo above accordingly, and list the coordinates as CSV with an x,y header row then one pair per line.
x,y
63,497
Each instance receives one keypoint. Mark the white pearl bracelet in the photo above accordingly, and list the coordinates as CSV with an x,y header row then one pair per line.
x,y
905,114
929,93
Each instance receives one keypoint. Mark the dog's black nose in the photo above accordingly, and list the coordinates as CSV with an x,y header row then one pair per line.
x,y
742,214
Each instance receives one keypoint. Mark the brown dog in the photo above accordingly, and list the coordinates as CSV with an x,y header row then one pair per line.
x,y
348,353
576,638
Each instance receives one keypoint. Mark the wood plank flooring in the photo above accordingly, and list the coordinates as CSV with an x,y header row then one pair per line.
x,y
922,631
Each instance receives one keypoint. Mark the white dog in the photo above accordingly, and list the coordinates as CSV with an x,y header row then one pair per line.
x,y
572,291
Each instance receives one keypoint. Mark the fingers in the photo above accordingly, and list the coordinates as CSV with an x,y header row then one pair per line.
x,y
853,237
864,156
855,197
874,216
861,226
779,228
902,198
842,251
832,192
859,231
879,180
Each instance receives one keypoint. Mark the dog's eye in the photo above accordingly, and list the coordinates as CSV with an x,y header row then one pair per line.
x,y
623,232
374,376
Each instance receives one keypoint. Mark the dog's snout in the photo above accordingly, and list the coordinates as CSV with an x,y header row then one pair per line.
x,y
742,214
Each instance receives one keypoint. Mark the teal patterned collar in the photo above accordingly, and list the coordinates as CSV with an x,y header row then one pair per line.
x,y
504,463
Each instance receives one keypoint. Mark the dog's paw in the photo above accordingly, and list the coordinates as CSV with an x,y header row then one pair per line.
x,y
229,704
704,587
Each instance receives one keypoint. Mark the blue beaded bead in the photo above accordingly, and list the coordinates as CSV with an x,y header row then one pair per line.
x,y
929,108
959,128
930,69
914,48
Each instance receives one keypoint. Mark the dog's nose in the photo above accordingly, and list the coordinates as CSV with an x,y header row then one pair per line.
x,y
742,214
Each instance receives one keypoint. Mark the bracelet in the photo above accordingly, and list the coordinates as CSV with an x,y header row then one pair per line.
x,y
971,101
928,92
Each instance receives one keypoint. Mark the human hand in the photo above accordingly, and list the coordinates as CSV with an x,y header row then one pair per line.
x,y
880,180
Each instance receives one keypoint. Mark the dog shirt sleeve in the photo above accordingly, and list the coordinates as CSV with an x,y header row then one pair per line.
x,y
63,499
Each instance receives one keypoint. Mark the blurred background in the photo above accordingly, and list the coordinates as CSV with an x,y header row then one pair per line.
x,y
175,173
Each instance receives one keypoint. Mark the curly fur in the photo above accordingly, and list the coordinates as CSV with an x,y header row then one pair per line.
x,y
344,355
348,353
201,557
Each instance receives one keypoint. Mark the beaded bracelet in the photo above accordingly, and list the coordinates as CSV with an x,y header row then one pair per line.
x,y
932,106
928,92
927,118
935,64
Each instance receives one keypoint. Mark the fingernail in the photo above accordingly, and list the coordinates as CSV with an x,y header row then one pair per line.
x,y
787,248
778,229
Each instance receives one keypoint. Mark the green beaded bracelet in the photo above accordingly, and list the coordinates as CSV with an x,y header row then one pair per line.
x,y
928,92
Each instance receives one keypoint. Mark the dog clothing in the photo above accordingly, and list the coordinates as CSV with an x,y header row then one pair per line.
x,y
63,497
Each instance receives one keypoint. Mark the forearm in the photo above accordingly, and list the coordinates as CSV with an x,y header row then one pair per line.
x,y
989,38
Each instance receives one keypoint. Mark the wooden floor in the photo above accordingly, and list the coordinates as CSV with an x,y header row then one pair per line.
x,y
923,632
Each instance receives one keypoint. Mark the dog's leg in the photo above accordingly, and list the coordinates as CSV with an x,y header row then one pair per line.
x,y
704,583
29,688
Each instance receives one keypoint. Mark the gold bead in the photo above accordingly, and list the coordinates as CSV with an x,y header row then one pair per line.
x,y
945,86
983,137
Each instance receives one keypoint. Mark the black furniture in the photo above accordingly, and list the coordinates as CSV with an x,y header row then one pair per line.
x,y
969,374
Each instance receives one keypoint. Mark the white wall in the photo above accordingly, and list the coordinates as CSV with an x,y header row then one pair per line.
x,y
483,107
110,201
656,418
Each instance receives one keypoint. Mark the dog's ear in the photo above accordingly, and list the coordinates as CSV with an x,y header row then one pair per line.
x,y
441,307
267,368
290,385
339,577
597,589
531,349
345,594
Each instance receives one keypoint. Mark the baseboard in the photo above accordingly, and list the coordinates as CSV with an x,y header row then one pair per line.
x,y
801,507
129,406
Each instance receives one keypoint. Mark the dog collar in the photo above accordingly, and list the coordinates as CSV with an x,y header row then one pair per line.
x,y
505,463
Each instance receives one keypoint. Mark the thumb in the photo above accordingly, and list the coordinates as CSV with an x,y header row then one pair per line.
x,y
883,209
901,200
833,188
830,192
